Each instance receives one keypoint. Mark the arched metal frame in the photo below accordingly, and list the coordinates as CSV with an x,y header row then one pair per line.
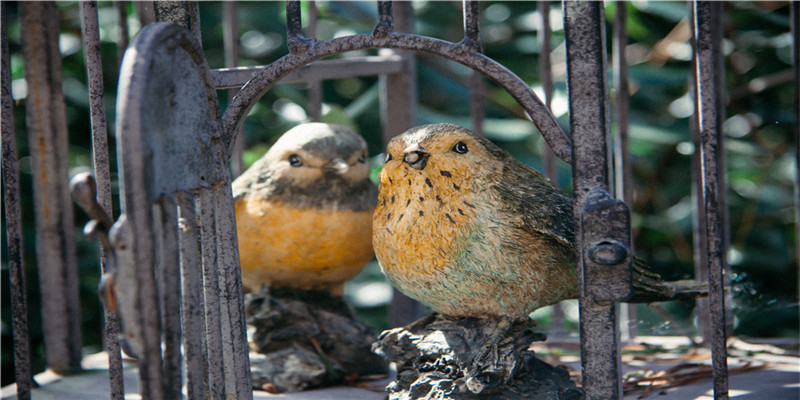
x,y
467,52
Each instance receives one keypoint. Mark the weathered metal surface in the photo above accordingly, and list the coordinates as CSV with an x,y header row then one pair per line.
x,y
165,224
13,221
124,32
623,171
315,86
230,44
472,39
708,51
795,16
47,133
192,310
102,174
586,73
181,13
236,77
303,51
212,338
233,328
168,136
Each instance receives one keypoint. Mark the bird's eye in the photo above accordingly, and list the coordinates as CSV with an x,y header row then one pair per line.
x,y
460,148
388,157
294,160
363,157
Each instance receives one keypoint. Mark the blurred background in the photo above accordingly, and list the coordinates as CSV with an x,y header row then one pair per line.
x,y
758,128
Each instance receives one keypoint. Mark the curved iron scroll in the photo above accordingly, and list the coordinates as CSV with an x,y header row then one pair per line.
x,y
304,51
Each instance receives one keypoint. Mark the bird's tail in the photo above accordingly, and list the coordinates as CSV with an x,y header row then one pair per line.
x,y
649,287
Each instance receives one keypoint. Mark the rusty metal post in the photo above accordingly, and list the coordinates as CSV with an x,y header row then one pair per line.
x,y
472,39
124,32
315,86
102,174
544,37
623,171
230,36
47,131
181,13
13,215
398,113
795,16
399,91
192,309
603,223
708,52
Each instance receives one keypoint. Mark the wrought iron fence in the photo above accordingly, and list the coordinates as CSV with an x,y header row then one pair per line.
x,y
167,216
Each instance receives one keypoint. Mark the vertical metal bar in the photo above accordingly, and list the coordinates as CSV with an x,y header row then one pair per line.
x,y
234,338
47,131
192,299
230,35
622,161
546,78
165,222
102,174
211,288
295,41
795,28
13,215
709,84
472,39
315,86
398,112
183,13
385,23
698,218
146,13
586,71
124,33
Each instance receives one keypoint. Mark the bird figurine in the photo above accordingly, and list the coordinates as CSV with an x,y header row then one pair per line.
x,y
304,210
469,231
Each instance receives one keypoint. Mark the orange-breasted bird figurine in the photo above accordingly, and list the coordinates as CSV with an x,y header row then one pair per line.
x,y
468,230
304,210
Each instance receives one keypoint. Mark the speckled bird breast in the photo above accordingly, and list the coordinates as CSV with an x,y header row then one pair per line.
x,y
444,238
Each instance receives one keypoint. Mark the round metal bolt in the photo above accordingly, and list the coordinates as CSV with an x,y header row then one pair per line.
x,y
608,253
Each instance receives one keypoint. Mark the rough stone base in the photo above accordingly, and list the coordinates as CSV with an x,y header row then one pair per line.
x,y
306,339
439,357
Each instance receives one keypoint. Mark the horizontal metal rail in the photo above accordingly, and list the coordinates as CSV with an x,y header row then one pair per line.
x,y
234,78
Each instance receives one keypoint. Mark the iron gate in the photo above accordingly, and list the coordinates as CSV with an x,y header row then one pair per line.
x,y
161,207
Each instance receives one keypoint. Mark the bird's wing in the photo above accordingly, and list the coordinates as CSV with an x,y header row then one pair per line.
x,y
539,206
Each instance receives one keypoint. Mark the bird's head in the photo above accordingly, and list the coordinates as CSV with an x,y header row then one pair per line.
x,y
314,151
446,154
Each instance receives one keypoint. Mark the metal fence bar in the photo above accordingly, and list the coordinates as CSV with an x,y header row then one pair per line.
x,y
13,215
192,290
623,172
698,218
599,285
315,86
707,18
124,32
47,132
234,339
544,37
227,78
181,13
230,39
212,329
165,222
102,174
795,27
472,39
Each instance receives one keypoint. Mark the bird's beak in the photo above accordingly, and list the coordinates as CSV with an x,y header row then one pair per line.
x,y
337,165
416,157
